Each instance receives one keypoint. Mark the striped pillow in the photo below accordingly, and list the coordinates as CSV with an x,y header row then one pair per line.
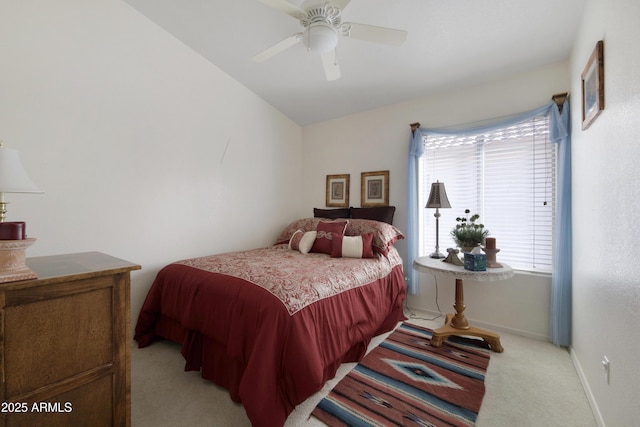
x,y
352,246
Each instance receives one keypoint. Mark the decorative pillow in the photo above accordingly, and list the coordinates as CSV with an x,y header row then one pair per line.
x,y
352,246
378,213
331,213
384,235
302,241
304,224
325,230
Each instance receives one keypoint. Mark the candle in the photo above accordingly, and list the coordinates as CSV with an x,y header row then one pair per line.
x,y
490,243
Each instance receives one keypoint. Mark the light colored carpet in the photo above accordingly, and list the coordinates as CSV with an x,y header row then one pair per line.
x,y
533,383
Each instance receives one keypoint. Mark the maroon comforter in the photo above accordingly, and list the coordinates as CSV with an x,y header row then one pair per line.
x,y
272,325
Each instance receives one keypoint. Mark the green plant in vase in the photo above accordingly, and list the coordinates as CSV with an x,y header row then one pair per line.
x,y
467,233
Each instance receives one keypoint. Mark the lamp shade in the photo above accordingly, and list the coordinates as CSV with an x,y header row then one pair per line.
x,y
320,37
438,196
13,178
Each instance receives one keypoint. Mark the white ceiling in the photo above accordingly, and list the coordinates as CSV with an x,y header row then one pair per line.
x,y
449,43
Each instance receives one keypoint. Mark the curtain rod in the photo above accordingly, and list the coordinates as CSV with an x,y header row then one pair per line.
x,y
558,98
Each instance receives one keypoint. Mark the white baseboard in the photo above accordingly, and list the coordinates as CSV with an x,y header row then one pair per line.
x,y
587,389
490,326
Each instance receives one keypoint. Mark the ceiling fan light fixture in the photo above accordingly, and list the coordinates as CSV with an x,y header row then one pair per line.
x,y
320,37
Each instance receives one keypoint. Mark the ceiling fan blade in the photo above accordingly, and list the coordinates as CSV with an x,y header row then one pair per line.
x,y
330,64
277,48
286,7
374,34
340,4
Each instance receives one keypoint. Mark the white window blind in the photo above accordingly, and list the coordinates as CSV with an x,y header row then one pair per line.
x,y
506,176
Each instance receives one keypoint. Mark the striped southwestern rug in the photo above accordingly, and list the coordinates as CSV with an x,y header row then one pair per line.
x,y
406,382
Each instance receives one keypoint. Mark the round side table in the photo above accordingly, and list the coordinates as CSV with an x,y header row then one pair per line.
x,y
457,324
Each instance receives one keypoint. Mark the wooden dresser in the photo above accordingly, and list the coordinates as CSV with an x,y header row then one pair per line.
x,y
65,343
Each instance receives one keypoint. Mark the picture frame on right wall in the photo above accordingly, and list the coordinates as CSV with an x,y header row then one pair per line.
x,y
593,86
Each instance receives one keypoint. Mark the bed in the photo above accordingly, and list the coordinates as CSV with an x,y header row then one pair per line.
x,y
273,324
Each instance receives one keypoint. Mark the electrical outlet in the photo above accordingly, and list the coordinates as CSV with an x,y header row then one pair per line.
x,y
606,367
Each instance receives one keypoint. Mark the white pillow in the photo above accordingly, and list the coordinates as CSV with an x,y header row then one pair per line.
x,y
301,241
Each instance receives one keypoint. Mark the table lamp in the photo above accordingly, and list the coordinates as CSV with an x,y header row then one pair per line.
x,y
13,239
437,199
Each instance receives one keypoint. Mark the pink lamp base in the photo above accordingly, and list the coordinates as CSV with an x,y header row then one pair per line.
x,y
13,261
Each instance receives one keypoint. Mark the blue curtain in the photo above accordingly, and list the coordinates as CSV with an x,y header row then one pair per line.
x,y
416,150
560,133
561,281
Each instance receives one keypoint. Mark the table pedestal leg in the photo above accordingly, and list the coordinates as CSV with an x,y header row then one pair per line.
x,y
457,324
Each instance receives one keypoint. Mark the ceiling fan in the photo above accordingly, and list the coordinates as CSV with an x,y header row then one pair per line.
x,y
322,24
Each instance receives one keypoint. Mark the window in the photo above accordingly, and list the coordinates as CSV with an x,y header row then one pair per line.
x,y
508,177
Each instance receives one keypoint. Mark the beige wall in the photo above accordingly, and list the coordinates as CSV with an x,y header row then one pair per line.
x,y
143,148
378,140
606,202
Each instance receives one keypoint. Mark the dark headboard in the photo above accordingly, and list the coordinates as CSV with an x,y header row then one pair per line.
x,y
378,213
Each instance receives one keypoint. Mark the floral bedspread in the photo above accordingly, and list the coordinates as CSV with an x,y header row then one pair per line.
x,y
297,279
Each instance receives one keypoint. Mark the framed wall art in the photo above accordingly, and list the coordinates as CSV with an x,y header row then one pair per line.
x,y
374,189
337,191
593,86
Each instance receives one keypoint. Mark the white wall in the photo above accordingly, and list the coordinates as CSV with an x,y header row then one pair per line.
x,y
147,152
378,140
606,203
144,150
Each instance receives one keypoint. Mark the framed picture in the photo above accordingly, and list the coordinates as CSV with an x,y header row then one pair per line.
x,y
337,191
593,86
374,189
